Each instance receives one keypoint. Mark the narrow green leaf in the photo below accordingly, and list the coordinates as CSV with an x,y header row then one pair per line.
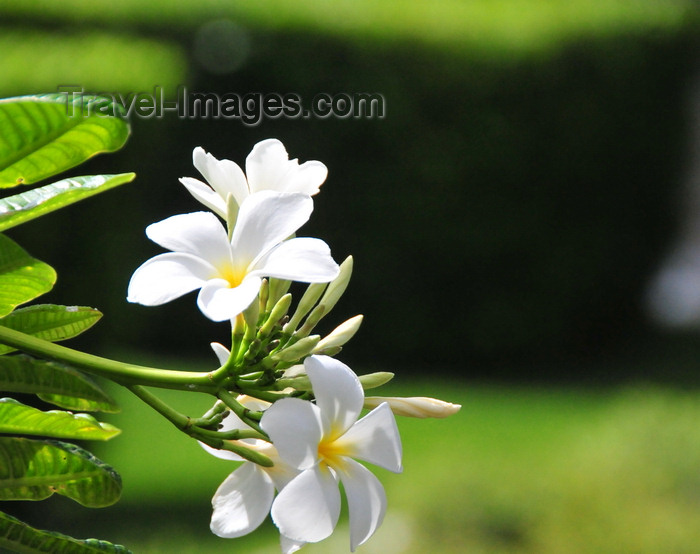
x,y
53,382
37,469
50,322
17,536
16,418
34,203
22,278
45,134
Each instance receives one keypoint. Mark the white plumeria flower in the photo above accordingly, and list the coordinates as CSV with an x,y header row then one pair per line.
x,y
321,440
243,500
268,167
229,272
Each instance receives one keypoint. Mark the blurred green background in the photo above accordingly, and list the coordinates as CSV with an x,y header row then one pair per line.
x,y
505,217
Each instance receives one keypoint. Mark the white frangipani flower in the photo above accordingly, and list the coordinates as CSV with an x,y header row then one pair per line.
x,y
243,500
229,272
321,440
268,167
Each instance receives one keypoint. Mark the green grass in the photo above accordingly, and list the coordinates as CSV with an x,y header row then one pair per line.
x,y
518,470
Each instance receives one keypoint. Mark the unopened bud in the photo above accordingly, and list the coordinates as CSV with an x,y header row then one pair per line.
x,y
329,351
253,350
340,335
308,301
337,287
278,288
250,314
263,295
298,350
416,406
278,312
374,380
314,317
296,378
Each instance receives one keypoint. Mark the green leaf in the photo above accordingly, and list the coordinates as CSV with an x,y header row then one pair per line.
x,y
37,469
43,135
17,536
34,203
22,278
50,322
53,382
16,418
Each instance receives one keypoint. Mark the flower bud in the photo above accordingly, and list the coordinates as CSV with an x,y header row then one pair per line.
x,y
415,406
308,301
374,380
252,351
296,378
278,288
314,317
329,351
337,287
298,350
340,335
263,295
250,314
278,312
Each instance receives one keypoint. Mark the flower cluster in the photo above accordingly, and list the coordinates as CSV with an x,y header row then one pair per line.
x,y
261,213
287,409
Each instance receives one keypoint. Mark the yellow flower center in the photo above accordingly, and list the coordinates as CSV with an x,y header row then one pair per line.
x,y
233,275
332,453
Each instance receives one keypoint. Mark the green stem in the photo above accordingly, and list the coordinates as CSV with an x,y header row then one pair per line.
x,y
240,410
233,435
181,421
119,372
212,438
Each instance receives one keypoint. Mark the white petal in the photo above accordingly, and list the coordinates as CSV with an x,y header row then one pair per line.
x,y
242,502
166,277
307,178
375,439
300,259
252,403
294,426
200,234
280,473
222,353
224,176
366,502
206,195
222,454
338,393
266,166
289,546
265,219
219,301
307,509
